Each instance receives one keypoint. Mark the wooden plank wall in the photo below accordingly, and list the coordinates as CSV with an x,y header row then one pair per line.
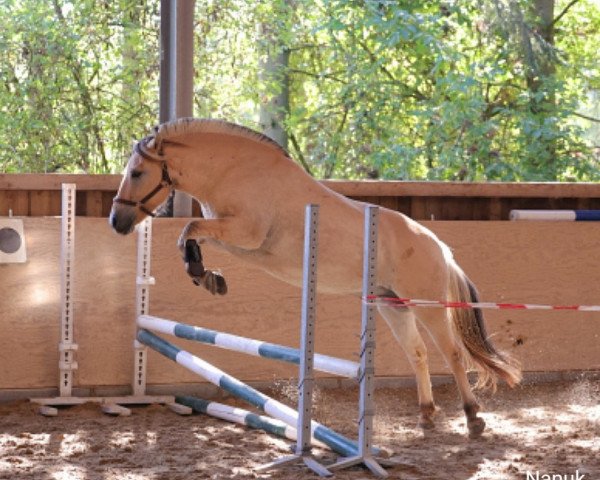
x,y
39,195
532,262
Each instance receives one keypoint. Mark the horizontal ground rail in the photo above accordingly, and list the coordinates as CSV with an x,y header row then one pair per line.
x,y
556,215
242,417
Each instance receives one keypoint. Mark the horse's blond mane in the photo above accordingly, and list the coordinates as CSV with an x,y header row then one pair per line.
x,y
189,125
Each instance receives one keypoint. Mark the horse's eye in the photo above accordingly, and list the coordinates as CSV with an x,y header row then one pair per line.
x,y
136,174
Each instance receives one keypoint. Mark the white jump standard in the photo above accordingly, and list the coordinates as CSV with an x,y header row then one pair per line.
x,y
67,363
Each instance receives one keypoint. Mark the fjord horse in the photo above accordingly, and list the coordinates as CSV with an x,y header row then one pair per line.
x,y
253,195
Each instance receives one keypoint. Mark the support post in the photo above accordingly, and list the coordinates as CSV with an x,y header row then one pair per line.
x,y
177,74
367,352
307,333
67,346
143,283
307,351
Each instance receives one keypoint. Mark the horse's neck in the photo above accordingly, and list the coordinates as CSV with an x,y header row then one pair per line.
x,y
209,160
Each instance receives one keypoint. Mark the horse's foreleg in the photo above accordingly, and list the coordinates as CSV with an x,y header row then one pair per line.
x,y
235,231
228,230
212,281
403,325
443,335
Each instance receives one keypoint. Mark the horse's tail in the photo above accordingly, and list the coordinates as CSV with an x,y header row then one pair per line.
x,y
470,326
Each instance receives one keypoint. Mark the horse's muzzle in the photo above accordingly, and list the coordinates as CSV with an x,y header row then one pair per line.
x,y
122,222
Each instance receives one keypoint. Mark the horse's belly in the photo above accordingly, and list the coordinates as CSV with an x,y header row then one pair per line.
x,y
335,274
344,283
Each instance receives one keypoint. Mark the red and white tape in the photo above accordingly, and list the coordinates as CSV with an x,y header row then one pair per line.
x,y
414,302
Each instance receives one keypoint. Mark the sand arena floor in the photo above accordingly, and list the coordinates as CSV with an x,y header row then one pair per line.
x,y
545,429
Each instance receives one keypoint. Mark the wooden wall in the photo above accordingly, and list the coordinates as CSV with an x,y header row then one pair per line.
x,y
39,195
549,262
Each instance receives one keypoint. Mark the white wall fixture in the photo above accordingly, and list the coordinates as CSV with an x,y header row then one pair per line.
x,y
12,241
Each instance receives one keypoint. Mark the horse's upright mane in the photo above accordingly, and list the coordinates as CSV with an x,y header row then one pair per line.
x,y
189,125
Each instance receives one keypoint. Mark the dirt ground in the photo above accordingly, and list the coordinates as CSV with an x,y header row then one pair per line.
x,y
545,429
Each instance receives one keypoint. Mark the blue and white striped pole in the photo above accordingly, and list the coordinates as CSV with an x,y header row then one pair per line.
x,y
242,417
557,215
257,348
272,407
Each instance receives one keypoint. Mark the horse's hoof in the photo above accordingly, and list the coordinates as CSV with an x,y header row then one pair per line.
x,y
221,284
426,423
214,282
476,427
428,411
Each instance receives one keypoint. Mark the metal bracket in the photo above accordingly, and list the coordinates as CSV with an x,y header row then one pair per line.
x,y
145,281
67,347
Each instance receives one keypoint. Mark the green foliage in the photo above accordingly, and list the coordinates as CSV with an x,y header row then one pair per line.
x,y
408,90
79,82
378,88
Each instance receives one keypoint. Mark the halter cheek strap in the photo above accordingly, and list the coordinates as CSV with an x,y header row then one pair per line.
x,y
166,182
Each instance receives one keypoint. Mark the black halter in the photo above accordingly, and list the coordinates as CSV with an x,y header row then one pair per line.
x,y
165,182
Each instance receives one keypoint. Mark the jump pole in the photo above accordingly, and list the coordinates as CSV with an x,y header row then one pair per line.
x,y
242,417
556,215
235,387
249,346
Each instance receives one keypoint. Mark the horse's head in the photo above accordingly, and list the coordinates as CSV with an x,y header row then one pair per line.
x,y
145,185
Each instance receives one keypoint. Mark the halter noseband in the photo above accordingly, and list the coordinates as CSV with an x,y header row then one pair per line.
x,y
165,182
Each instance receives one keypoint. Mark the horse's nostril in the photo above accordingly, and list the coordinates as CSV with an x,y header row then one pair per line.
x,y
113,221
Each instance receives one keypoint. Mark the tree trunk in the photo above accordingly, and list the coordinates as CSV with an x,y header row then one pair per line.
x,y
543,12
275,104
540,80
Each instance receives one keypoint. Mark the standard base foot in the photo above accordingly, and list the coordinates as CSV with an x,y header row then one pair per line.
x,y
370,462
309,461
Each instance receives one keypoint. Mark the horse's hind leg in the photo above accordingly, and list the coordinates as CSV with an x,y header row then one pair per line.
x,y
437,323
403,325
